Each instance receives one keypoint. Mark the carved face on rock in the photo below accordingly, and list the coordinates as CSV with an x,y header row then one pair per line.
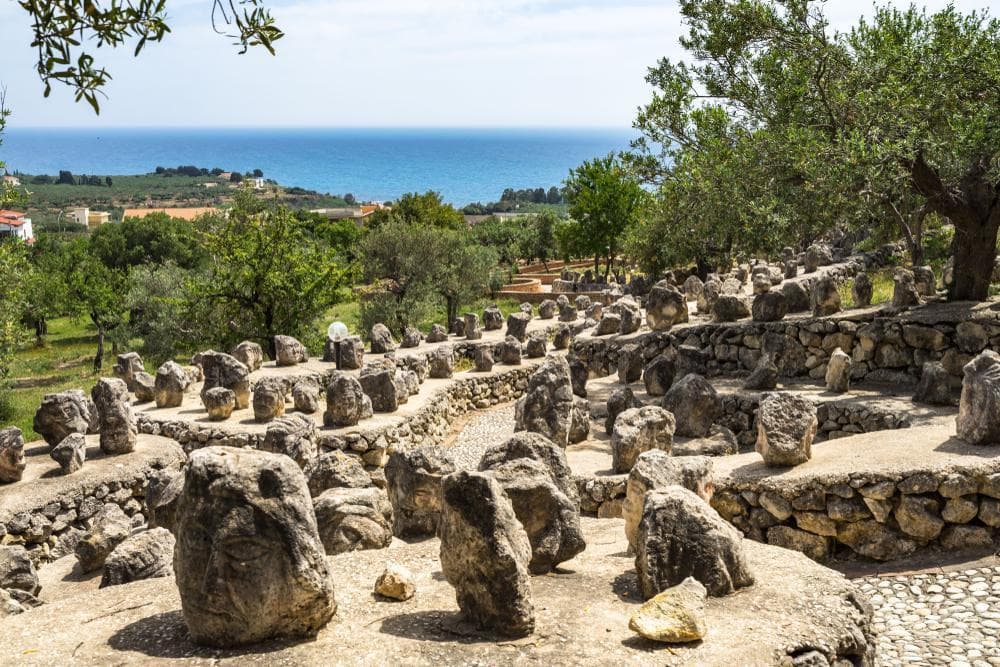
x,y
12,461
249,562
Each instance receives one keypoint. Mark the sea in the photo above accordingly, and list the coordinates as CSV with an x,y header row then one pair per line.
x,y
464,165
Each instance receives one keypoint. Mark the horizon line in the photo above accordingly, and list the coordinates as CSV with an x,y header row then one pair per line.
x,y
319,127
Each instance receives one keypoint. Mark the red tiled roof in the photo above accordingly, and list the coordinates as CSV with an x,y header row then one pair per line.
x,y
11,218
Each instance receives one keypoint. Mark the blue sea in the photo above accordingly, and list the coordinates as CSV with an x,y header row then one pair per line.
x,y
464,165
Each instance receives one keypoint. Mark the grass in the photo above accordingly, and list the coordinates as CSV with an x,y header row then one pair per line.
x,y
66,361
882,287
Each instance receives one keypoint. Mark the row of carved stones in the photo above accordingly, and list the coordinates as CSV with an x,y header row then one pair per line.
x,y
875,516
52,529
428,426
883,349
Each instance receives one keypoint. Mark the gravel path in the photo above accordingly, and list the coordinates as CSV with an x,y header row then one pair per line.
x,y
949,618
479,432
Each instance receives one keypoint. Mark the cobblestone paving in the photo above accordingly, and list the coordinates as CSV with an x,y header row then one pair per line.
x,y
940,618
479,432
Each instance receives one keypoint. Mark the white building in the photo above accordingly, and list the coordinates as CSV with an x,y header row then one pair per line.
x,y
15,224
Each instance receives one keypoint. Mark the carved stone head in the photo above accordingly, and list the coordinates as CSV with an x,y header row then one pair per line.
x,y
12,461
249,562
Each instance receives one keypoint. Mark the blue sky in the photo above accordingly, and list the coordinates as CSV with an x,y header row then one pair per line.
x,y
368,63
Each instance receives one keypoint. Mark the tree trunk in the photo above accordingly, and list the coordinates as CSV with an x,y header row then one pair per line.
x,y
41,330
99,357
703,268
975,253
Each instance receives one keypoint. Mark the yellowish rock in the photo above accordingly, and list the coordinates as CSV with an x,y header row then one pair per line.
x,y
396,583
675,616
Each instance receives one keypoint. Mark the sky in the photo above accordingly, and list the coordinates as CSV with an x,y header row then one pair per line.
x,y
380,63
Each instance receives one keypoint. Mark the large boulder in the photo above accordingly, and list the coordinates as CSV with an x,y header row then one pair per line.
x,y
335,470
639,430
838,372
411,338
268,399
665,307
115,416
70,454
148,555
764,376
693,288
510,351
769,307
351,519
485,554
493,319
936,385
537,345
144,387
630,363
578,375
658,375
563,337
537,448
127,366
162,493
729,308
484,359
978,419
442,362
609,324
17,570
904,289
381,339
379,383
677,615
862,290
710,292
249,354
796,297
64,413
289,352
249,562
695,405
629,314
924,280
222,370
680,536
824,297
352,352
470,327
655,470
169,386
720,441
109,528
547,309
547,405
517,325
786,426
549,517
817,255
294,436
413,481
305,395
12,463
619,400
437,334
346,401
219,402
579,426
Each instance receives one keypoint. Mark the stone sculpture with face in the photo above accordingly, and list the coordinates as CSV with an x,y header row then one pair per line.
x,y
12,461
249,562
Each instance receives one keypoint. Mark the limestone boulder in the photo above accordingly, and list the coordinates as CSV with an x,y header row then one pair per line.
x,y
579,425
695,405
437,334
144,387
720,441
470,326
796,297
639,430
711,291
729,308
510,351
862,290
169,385
351,519
396,583
485,554
294,436
680,536
619,400
924,280
249,563
549,517
289,352
838,372
148,555
219,402
764,376
127,366
610,324
484,359
904,289
249,354
162,493
665,307
547,405
769,307
656,469
492,319
305,396
578,375
658,375
675,616
222,370
346,401
630,363
442,362
413,481
693,288
411,338
936,385
268,399
817,255
12,461
537,448
537,345
825,298
382,340
17,570
517,325
786,426
352,352
547,309
629,315
64,413
379,384
114,411
70,454
335,470
563,337
978,421
109,528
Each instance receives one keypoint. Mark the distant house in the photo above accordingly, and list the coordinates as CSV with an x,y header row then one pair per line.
x,y
256,181
13,181
88,218
15,224
225,176
182,213
358,215
210,184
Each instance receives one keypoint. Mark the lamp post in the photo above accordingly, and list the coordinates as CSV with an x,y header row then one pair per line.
x,y
336,333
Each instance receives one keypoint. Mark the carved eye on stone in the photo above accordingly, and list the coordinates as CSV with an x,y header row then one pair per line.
x,y
244,551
